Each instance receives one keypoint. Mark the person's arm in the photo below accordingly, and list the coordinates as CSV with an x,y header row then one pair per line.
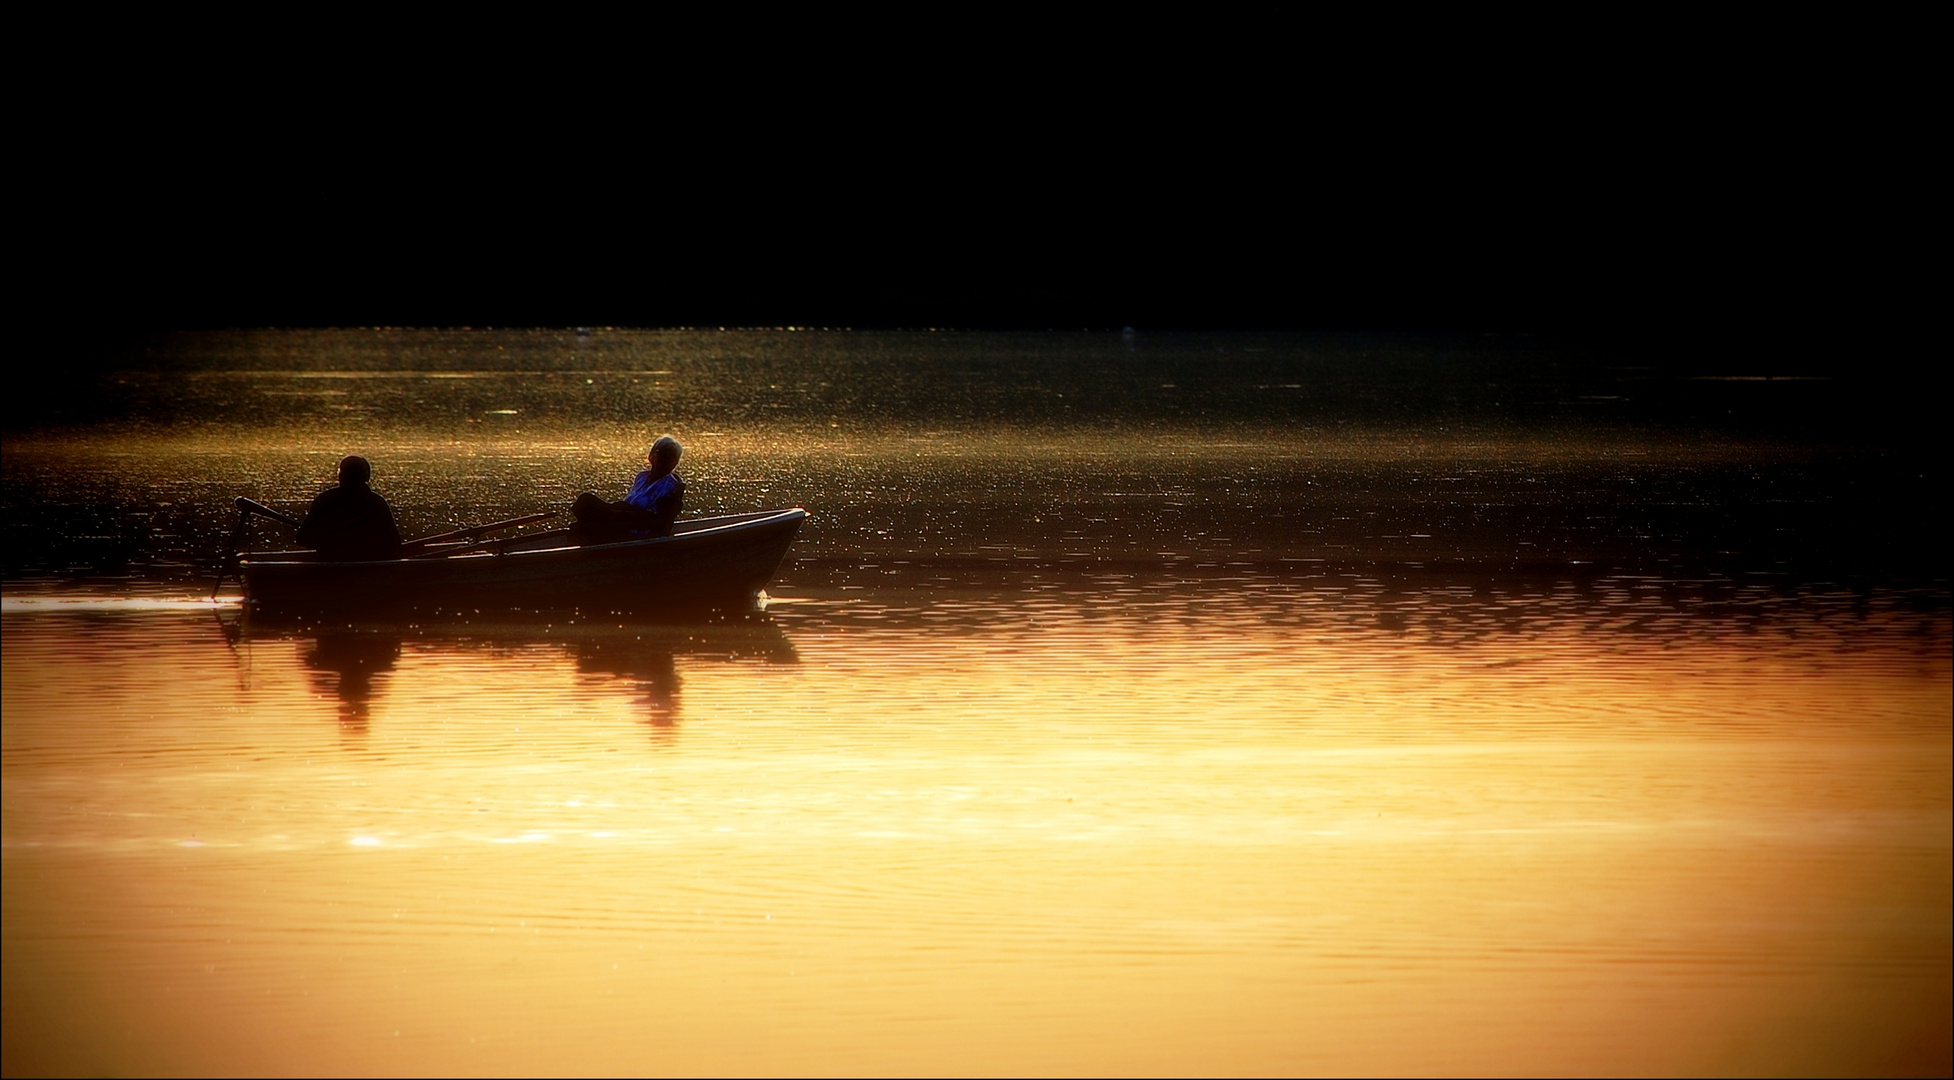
x,y
666,506
312,528
387,531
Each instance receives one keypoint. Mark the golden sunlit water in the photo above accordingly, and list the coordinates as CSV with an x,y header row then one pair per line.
x,y
1204,743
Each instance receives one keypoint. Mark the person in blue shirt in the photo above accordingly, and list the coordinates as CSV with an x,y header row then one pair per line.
x,y
656,498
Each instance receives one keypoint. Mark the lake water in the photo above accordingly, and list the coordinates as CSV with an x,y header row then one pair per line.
x,y
1129,703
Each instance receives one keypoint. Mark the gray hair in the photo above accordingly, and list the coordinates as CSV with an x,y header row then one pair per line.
x,y
666,447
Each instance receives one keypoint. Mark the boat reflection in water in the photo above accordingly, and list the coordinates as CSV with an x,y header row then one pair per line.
x,y
656,669
345,664
352,662
648,656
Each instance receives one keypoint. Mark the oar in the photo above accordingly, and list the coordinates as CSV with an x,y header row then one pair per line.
x,y
245,508
475,530
253,506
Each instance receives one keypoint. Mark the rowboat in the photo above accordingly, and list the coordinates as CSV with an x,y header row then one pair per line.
x,y
706,562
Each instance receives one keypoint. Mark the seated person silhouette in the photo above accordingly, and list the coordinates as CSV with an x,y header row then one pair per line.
x,y
649,510
351,522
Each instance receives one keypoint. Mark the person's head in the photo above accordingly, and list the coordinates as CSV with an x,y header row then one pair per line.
x,y
664,454
354,471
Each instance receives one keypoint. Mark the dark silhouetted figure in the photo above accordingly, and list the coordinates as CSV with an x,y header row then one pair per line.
x,y
356,659
654,503
351,522
652,665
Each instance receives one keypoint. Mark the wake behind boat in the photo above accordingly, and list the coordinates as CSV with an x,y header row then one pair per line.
x,y
705,562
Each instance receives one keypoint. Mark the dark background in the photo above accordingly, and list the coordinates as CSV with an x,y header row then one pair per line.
x,y
1591,202
1683,190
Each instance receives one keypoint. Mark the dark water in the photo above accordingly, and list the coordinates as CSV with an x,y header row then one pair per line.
x,y
1223,703
1491,452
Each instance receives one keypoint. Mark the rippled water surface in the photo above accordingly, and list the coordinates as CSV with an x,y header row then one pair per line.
x,y
1275,706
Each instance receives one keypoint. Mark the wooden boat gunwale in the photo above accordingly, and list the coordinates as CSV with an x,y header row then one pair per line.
x,y
519,545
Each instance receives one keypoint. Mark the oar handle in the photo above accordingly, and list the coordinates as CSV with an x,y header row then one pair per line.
x,y
253,506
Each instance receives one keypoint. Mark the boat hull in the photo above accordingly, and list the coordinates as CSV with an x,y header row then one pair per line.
x,y
706,562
